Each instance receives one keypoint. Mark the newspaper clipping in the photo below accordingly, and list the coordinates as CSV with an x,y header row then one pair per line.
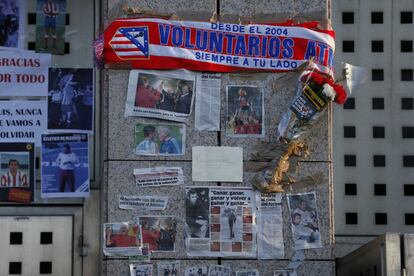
x,y
159,139
164,95
159,232
159,176
140,269
65,165
207,106
168,268
219,270
122,239
270,227
253,272
196,271
284,272
304,220
149,203
245,111
220,222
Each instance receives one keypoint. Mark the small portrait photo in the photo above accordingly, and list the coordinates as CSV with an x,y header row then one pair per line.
x,y
165,95
245,111
159,233
196,271
168,268
15,169
17,172
304,220
50,26
70,99
197,205
65,165
12,23
160,139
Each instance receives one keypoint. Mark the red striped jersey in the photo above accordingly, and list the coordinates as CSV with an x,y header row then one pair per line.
x,y
50,9
18,180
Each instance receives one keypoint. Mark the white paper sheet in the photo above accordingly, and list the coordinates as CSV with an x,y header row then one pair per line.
x,y
217,164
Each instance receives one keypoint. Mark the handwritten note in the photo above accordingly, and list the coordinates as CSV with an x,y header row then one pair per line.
x,y
218,164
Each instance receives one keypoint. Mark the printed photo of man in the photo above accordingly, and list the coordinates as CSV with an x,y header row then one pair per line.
x,y
66,161
14,177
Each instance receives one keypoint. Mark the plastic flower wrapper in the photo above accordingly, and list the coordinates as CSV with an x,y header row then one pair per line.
x,y
314,92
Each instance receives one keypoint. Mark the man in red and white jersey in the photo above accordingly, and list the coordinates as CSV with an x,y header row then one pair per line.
x,y
50,11
14,177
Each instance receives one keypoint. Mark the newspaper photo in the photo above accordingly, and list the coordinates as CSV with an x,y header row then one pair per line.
x,y
65,165
284,272
219,270
140,269
12,23
50,26
164,95
159,176
207,102
270,243
17,172
304,220
168,268
196,271
70,99
159,232
159,139
149,203
245,111
220,222
253,272
122,239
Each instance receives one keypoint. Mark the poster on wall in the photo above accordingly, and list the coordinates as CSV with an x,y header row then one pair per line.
x,y
220,222
65,165
245,111
22,121
17,170
159,139
122,239
70,100
304,220
165,95
159,232
50,26
12,23
24,73
168,268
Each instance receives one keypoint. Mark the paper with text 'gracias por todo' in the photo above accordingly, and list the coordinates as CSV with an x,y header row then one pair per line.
x,y
217,164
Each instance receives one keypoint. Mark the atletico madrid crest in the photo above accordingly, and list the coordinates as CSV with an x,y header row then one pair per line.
x,y
131,43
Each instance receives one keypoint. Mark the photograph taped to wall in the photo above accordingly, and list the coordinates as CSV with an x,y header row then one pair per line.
x,y
50,26
159,176
245,111
220,222
122,239
141,269
196,271
284,272
12,23
65,165
219,270
253,272
70,100
304,220
165,95
159,232
17,172
22,121
168,268
160,139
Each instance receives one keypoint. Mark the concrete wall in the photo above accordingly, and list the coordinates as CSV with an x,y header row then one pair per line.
x,y
119,159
